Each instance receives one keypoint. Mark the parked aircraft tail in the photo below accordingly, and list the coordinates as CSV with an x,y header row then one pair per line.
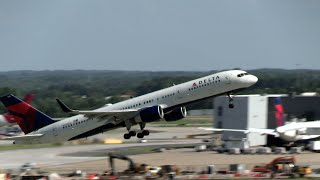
x,y
279,113
28,118
28,98
11,119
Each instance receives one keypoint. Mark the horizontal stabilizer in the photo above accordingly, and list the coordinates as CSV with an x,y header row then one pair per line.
x,y
27,137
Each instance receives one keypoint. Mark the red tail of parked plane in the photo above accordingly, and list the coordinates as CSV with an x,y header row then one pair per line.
x,y
29,119
279,114
9,119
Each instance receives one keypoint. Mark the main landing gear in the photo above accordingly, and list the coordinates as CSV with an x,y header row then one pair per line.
x,y
143,133
129,134
231,106
139,135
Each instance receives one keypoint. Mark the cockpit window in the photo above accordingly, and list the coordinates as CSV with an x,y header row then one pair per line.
x,y
242,74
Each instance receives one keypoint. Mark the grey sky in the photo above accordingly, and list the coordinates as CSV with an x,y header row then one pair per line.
x,y
159,35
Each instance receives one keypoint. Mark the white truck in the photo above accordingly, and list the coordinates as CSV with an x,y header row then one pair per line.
x,y
314,146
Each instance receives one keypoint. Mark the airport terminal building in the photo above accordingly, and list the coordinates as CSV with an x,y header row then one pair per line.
x,y
258,111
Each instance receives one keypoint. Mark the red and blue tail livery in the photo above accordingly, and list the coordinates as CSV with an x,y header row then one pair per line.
x,y
279,114
28,118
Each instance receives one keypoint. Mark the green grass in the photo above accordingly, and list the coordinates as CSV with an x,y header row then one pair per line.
x,y
189,121
130,151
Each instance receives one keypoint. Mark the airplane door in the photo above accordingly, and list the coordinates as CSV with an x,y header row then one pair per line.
x,y
179,95
54,131
228,80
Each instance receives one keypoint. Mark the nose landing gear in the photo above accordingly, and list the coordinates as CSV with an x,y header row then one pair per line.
x,y
231,105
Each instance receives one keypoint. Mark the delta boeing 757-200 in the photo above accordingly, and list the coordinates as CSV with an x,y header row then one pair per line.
x,y
165,104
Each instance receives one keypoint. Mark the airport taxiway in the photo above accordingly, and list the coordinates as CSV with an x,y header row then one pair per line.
x,y
13,159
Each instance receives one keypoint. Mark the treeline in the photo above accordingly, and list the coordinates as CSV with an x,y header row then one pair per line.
x,y
92,89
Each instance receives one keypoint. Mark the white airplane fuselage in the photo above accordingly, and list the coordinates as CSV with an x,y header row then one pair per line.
x,y
6,120
168,98
297,131
3,121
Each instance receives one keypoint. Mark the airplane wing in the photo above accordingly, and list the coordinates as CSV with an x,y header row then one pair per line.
x,y
121,114
306,128
246,131
264,131
27,137
219,130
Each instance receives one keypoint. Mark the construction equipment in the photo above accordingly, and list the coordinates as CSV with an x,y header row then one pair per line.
x,y
131,166
276,163
285,164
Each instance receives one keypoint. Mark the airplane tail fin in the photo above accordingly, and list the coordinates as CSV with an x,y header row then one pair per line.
x,y
279,113
28,118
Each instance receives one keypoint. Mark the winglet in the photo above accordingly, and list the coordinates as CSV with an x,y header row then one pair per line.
x,y
64,107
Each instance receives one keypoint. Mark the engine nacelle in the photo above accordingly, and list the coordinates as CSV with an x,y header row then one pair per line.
x,y
302,131
150,114
176,114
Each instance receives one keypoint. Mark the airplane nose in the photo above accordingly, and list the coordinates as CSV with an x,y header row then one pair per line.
x,y
251,80
254,79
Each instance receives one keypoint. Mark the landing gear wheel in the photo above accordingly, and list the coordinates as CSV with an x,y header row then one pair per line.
x,y
145,132
132,133
231,106
140,135
126,136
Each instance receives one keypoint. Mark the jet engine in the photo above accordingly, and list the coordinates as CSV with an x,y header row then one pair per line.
x,y
301,131
176,114
150,114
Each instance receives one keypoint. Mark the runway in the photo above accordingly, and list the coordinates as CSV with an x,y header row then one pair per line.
x,y
58,159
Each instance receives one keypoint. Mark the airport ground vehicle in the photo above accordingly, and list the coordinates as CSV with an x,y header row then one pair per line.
x,y
284,164
314,146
